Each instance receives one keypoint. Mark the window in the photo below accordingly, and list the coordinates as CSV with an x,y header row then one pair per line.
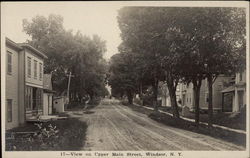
x,y
39,98
40,71
206,97
29,67
240,76
9,62
28,97
9,110
36,98
35,69
220,86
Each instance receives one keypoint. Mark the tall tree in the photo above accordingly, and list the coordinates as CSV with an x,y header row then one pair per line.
x,y
145,30
217,41
81,55
123,75
214,40
186,43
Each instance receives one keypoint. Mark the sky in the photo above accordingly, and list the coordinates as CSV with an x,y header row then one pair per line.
x,y
89,18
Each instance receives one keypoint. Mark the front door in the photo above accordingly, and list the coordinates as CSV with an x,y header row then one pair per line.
x,y
34,96
228,102
240,94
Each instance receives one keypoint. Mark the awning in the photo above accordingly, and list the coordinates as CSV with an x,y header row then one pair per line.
x,y
228,89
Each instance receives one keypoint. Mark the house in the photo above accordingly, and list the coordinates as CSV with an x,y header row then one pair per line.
x,y
165,97
234,96
33,63
24,82
47,94
14,85
187,93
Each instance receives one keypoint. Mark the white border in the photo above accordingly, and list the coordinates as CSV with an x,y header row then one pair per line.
x,y
193,154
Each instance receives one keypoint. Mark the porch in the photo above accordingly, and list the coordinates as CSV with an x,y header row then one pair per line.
x,y
233,98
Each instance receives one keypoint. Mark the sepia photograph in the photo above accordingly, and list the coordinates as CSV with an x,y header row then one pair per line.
x,y
125,79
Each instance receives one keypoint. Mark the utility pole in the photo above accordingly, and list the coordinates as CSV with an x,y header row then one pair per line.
x,y
69,84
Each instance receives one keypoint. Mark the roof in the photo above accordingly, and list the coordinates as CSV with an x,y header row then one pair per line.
x,y
47,84
37,52
12,44
228,89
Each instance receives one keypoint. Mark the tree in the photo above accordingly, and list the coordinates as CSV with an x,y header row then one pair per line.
x,y
123,75
146,30
216,37
188,44
214,40
81,55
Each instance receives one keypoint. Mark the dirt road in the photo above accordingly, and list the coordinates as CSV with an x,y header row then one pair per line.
x,y
113,126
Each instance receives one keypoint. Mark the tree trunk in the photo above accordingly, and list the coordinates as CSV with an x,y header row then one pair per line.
x,y
91,97
174,103
155,94
140,90
75,95
197,86
172,93
80,97
130,97
210,100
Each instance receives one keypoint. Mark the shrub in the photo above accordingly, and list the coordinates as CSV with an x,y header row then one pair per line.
x,y
47,136
138,101
56,135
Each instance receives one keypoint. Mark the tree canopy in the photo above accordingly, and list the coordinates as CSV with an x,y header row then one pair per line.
x,y
184,43
67,52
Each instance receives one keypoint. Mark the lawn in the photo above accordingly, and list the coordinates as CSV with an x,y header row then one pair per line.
x,y
237,121
68,134
233,137
231,120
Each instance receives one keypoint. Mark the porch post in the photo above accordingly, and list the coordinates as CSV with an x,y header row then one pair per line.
x,y
222,106
236,101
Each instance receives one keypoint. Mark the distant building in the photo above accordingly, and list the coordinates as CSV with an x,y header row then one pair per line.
x,y
47,94
59,103
164,94
185,94
108,87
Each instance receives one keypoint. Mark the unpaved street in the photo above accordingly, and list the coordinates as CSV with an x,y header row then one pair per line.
x,y
112,126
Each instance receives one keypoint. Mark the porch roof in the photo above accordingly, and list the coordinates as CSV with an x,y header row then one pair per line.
x,y
228,89
48,91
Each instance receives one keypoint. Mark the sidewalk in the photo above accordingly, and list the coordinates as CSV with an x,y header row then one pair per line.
x,y
192,120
